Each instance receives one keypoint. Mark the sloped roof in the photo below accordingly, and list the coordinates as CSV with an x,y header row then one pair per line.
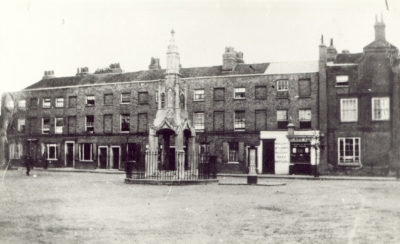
x,y
292,67
147,75
347,58
379,44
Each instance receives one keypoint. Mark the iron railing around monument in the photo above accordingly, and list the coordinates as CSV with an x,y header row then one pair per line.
x,y
192,166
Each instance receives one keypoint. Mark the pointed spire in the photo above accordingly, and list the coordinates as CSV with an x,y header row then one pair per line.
x,y
322,39
331,42
172,47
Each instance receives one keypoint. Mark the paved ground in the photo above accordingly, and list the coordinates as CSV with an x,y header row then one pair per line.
x,y
62,207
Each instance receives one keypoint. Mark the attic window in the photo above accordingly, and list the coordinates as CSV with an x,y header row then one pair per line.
x,y
342,80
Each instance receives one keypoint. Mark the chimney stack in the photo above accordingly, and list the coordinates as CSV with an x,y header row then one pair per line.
x,y
155,63
231,58
48,74
332,53
82,71
379,29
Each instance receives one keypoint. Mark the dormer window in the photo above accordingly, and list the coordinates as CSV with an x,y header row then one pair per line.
x,y
342,80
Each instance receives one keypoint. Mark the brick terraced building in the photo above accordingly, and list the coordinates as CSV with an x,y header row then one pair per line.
x,y
240,112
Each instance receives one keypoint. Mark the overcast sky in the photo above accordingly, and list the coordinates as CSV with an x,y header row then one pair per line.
x,y
63,35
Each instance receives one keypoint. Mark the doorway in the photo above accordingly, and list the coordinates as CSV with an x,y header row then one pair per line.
x,y
69,155
268,156
103,157
115,157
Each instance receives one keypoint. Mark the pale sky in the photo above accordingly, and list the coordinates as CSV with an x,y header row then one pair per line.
x,y
63,35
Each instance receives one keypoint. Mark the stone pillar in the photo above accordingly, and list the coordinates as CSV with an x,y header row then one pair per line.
x,y
180,162
252,177
193,157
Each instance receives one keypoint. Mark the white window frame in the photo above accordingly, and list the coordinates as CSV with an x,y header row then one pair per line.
x,y
47,102
22,104
58,129
342,80
238,126
238,91
286,115
86,123
235,159
383,118
59,102
46,130
303,115
198,121
89,98
199,95
82,152
21,122
350,157
282,85
120,122
48,151
128,94
343,110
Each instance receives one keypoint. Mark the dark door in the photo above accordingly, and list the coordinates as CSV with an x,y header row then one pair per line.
x,y
103,158
33,152
115,157
70,155
268,157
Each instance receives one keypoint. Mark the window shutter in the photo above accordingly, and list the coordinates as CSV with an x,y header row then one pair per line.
x,y
94,151
225,148
58,151
124,152
78,153
241,151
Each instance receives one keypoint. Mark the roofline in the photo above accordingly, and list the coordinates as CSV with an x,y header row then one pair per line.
x,y
344,64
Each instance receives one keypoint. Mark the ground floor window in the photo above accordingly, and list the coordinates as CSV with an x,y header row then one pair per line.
x,y
233,152
52,151
204,150
349,150
86,152
15,150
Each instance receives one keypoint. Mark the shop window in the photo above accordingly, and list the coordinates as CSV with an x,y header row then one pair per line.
x,y
125,122
199,121
51,151
349,151
46,126
199,95
85,152
240,120
305,118
240,93
219,94
282,118
348,110
380,108
15,150
300,152
204,151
